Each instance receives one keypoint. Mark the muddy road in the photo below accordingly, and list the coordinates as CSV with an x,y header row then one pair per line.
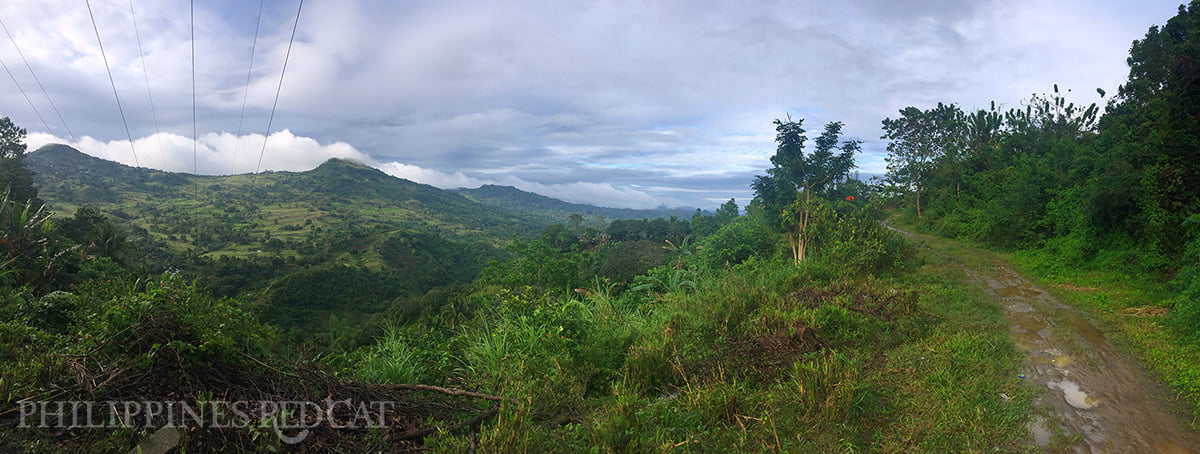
x,y
1097,400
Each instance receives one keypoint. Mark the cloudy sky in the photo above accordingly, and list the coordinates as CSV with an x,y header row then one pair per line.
x,y
616,103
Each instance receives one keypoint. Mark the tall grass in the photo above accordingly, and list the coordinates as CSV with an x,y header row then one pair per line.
x,y
674,368
392,359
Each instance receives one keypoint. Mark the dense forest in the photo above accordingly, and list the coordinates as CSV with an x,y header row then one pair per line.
x,y
505,322
1068,186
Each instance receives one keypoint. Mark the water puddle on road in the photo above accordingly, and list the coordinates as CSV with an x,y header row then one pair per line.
x,y
1095,395
1096,399
1074,396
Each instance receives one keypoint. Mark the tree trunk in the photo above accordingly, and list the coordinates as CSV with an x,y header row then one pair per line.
x,y
918,204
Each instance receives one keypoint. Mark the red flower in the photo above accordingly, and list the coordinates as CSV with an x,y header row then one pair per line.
x,y
850,198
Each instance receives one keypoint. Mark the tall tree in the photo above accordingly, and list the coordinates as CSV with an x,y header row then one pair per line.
x,y
919,139
1154,124
786,192
15,177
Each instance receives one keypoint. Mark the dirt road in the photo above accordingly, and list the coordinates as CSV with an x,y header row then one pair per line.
x,y
1098,400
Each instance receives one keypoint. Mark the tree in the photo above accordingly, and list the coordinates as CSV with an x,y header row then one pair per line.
x,y
15,177
919,138
786,192
1154,125
727,213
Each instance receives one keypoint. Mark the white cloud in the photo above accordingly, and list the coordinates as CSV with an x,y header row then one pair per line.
x,y
213,153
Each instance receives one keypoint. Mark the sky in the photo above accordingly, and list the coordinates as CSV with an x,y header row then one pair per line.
x,y
636,104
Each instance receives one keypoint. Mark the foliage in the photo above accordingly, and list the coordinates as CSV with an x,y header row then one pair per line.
x,y
680,358
1187,304
304,298
1108,199
735,243
29,254
15,178
391,359
919,139
784,197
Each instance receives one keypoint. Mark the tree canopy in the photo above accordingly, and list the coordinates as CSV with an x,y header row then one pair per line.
x,y
15,177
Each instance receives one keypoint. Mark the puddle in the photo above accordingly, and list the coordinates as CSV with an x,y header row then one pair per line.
x,y
1084,328
1061,361
1016,292
1041,435
1028,333
1074,396
1132,416
1018,306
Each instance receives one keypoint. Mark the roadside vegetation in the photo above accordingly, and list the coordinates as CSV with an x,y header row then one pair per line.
x,y
1103,208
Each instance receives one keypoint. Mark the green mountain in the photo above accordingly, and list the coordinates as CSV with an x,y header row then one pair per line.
x,y
340,240
68,178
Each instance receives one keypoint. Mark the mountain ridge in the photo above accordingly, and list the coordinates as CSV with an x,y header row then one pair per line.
x,y
59,158
274,234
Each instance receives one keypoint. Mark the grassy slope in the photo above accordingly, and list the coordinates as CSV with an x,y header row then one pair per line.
x,y
917,361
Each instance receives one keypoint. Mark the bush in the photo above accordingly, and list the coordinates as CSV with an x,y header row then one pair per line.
x,y
1186,316
734,243
855,238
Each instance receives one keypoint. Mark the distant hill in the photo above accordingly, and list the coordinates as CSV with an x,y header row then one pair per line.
x,y
286,235
555,210
67,178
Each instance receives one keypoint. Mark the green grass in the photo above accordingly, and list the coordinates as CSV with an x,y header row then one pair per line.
x,y
924,373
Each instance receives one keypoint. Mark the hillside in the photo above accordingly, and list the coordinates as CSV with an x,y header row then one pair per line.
x,y
68,178
342,239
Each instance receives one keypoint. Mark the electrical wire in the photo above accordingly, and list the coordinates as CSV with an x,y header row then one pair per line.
x,y
36,79
149,93
249,71
113,83
271,118
195,159
31,106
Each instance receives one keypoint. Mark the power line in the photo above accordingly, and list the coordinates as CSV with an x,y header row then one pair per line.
x,y
31,106
113,82
271,118
36,79
195,136
237,139
149,94
195,160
